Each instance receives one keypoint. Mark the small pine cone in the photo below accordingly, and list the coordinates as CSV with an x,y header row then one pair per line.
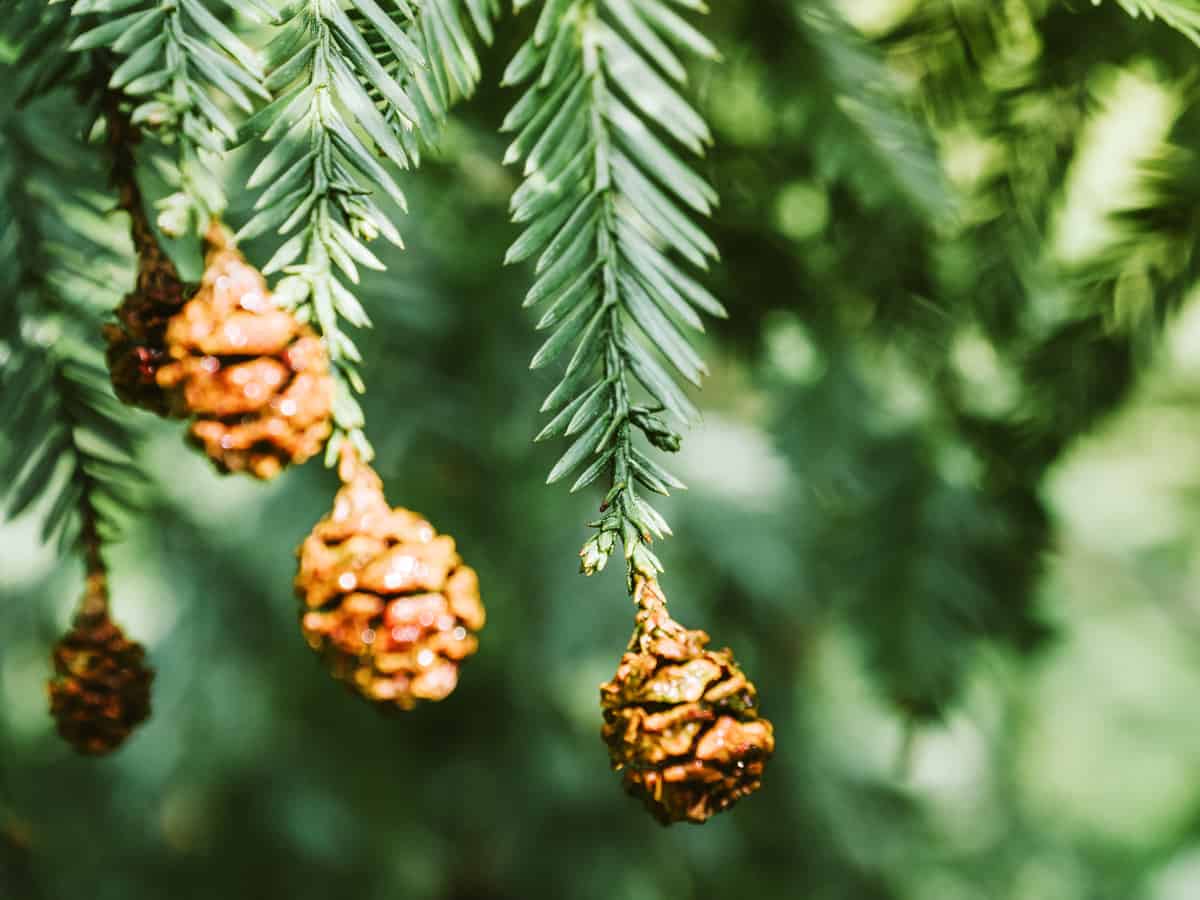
x,y
137,341
682,722
100,690
385,598
255,379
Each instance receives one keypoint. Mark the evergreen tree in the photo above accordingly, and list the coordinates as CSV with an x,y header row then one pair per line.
x,y
894,288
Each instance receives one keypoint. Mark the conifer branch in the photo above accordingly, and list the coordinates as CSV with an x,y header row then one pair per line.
x,y
349,88
442,32
1149,269
171,58
38,33
1182,15
608,206
67,436
867,132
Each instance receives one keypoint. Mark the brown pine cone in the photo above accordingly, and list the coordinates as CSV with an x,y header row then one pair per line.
x,y
385,598
137,342
682,722
256,381
100,690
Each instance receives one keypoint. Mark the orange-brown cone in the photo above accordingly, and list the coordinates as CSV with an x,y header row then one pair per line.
x,y
255,381
100,690
681,722
386,599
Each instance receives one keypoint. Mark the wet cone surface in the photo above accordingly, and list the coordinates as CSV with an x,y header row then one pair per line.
x,y
386,599
100,690
681,722
256,381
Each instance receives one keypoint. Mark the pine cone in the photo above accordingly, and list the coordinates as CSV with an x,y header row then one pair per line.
x,y
386,599
100,690
255,379
682,722
137,342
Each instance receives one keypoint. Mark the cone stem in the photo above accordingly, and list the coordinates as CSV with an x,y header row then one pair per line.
x,y
123,135
217,237
95,596
648,596
349,462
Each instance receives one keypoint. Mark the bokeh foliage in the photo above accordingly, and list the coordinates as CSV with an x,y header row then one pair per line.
x,y
943,503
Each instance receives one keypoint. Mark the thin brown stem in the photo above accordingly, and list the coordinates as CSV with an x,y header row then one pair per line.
x,y
647,594
123,136
95,597
157,275
349,462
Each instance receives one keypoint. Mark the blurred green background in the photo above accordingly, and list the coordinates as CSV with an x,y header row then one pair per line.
x,y
944,504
